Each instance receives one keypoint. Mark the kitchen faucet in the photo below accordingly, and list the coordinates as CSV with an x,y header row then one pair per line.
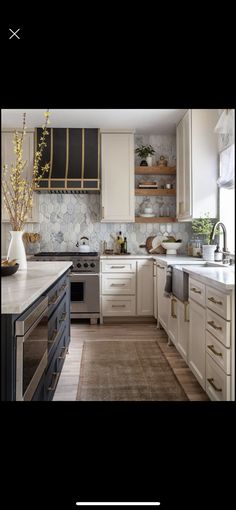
x,y
226,253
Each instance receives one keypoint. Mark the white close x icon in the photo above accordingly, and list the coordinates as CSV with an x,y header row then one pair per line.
x,y
14,34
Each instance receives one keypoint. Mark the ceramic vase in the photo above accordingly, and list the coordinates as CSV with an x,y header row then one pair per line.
x,y
16,249
208,251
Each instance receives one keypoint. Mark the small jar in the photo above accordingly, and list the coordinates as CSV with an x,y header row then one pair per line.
x,y
197,248
190,248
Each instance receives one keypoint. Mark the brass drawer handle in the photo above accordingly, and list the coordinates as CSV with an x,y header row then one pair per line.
x,y
64,349
161,267
117,267
185,312
213,385
53,337
193,289
213,300
117,284
213,325
173,315
56,376
118,306
211,347
63,317
53,300
63,287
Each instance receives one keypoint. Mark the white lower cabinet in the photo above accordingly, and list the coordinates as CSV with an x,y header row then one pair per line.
x,y
183,329
197,316
217,382
173,320
144,287
113,306
163,301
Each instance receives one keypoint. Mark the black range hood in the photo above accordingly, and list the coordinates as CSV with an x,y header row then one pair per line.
x,y
74,158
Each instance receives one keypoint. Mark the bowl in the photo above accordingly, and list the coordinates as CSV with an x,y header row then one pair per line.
x,y
9,270
171,248
148,210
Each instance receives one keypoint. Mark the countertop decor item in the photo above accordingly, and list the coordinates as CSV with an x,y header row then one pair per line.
x,y
153,245
171,248
145,152
18,190
83,248
203,226
8,270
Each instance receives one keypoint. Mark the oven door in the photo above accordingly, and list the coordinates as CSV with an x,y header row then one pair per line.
x,y
84,292
31,349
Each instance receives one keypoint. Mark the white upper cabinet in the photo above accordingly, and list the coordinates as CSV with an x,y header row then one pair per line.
x,y
197,165
117,152
9,157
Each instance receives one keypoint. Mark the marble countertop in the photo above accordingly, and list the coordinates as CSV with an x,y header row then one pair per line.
x,y
132,256
22,288
170,260
222,278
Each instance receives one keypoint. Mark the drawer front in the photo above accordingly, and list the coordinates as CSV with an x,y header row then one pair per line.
x,y
217,382
118,306
219,327
218,302
197,291
118,284
56,293
56,324
218,352
119,266
53,372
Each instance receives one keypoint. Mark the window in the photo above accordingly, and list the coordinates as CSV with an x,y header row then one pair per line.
x,y
227,195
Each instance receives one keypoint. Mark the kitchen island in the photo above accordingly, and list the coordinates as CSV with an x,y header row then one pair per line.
x,y
35,330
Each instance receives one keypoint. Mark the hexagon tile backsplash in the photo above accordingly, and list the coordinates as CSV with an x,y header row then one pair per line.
x,y
64,219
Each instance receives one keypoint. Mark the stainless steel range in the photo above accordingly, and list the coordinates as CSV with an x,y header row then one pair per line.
x,y
85,281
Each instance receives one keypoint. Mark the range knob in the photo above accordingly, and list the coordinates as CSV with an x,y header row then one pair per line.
x,y
79,265
86,264
92,264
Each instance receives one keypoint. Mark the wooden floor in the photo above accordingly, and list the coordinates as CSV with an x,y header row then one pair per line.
x,y
68,383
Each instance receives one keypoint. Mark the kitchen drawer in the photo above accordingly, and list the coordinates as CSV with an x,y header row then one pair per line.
x,y
219,327
197,291
217,382
56,324
119,266
118,284
53,371
118,306
218,302
56,293
219,353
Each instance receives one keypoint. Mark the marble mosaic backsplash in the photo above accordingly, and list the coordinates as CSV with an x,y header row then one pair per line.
x,y
64,219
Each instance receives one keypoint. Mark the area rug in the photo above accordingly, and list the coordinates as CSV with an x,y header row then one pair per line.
x,y
126,371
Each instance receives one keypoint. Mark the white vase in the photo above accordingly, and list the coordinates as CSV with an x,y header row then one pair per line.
x,y
16,249
149,160
208,251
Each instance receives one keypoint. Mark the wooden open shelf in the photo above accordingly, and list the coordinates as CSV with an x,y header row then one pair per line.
x,y
155,192
155,170
156,219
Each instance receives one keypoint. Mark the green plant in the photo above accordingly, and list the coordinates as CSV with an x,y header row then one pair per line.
x,y
204,226
145,150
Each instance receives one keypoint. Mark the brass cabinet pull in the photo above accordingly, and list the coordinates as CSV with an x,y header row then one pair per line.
x,y
118,306
213,325
185,312
55,376
53,337
211,347
173,315
117,284
213,385
53,300
193,289
117,267
161,267
64,349
63,317
213,300
63,287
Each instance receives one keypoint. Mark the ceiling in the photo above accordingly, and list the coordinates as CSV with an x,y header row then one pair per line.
x,y
143,121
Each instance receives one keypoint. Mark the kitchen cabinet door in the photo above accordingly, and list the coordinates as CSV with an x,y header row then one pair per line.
x,y
144,287
117,150
183,329
197,165
197,317
9,157
163,301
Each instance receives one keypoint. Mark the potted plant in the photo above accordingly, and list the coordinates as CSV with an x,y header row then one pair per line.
x,y
145,152
18,190
203,226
